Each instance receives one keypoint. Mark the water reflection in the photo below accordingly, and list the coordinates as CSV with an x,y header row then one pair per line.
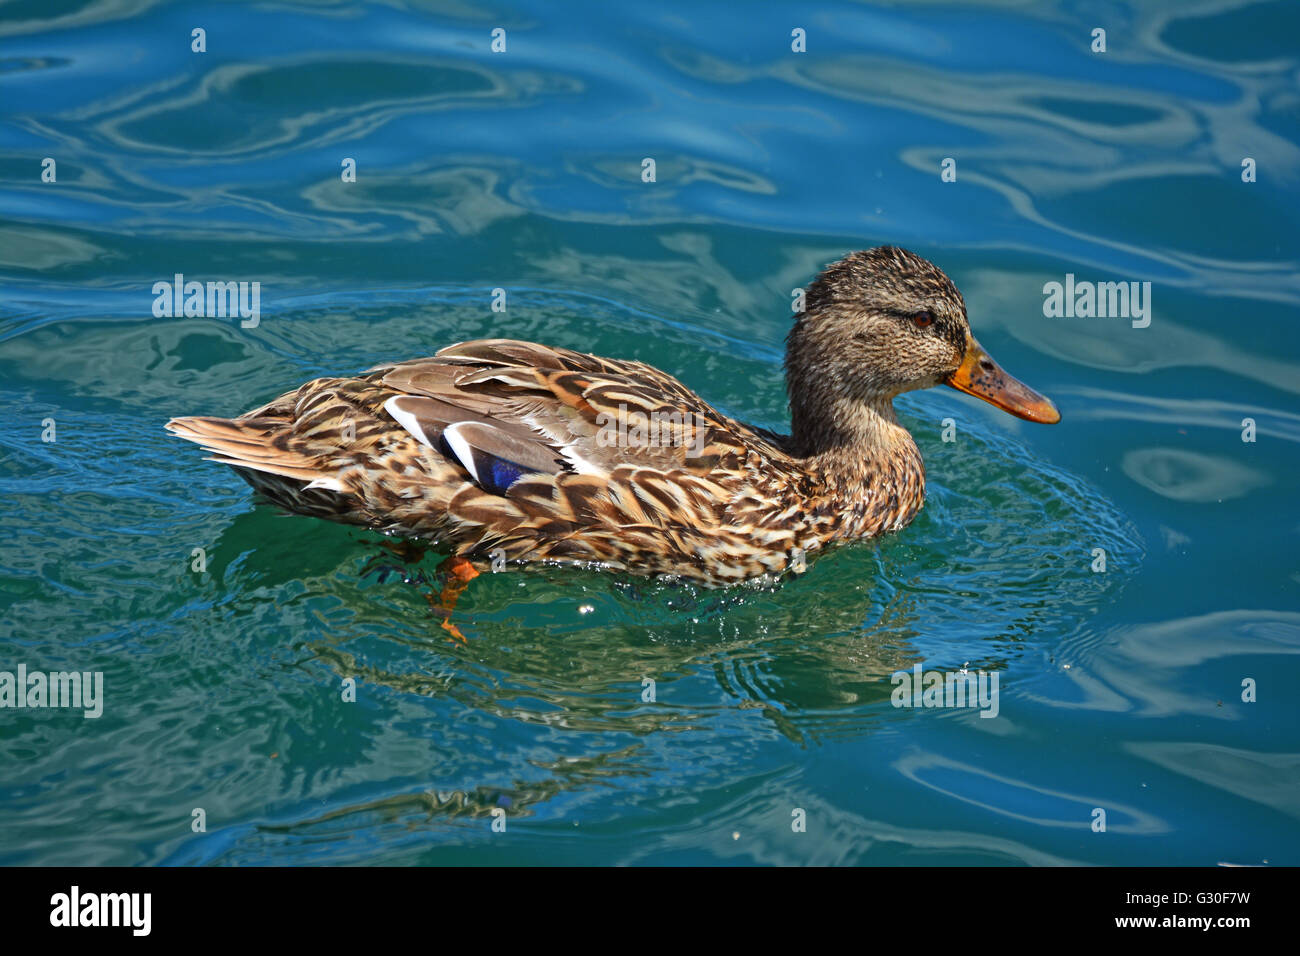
x,y
571,649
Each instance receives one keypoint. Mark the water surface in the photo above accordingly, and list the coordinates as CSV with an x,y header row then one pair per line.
x,y
1119,690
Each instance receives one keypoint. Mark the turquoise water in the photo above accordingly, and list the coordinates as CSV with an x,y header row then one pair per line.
x,y
1120,690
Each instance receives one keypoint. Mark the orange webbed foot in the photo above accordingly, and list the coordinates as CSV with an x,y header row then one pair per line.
x,y
458,572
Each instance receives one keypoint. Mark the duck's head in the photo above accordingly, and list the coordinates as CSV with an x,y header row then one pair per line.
x,y
885,321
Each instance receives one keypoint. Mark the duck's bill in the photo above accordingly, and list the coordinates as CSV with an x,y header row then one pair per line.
x,y
982,377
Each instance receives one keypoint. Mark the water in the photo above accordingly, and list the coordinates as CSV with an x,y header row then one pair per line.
x,y
1119,690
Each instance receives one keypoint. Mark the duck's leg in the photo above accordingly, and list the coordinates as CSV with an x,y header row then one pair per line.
x,y
406,550
457,573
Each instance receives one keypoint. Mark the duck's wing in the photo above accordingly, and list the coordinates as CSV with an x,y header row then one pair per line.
x,y
505,409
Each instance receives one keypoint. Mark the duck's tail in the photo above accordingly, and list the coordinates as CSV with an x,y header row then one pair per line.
x,y
290,479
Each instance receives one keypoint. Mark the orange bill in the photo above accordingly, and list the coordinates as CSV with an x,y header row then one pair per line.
x,y
982,377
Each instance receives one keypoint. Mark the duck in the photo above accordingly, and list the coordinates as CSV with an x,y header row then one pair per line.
x,y
514,452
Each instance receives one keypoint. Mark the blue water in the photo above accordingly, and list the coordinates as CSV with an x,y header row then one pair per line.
x,y
1120,690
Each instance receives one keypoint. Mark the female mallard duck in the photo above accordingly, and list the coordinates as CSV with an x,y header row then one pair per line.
x,y
548,454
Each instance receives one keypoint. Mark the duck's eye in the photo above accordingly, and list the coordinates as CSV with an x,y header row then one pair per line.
x,y
923,319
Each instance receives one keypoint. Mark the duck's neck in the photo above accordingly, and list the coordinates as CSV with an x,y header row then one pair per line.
x,y
869,465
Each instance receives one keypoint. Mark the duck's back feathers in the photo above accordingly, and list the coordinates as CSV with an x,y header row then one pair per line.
x,y
592,414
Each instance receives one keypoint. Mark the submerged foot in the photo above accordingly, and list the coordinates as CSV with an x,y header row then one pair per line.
x,y
457,572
